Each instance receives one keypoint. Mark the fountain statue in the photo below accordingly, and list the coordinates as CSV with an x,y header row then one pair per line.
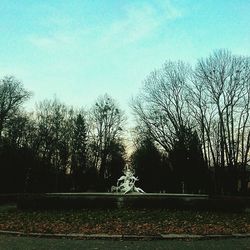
x,y
126,183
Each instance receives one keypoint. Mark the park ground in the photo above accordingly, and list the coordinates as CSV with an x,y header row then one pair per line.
x,y
149,222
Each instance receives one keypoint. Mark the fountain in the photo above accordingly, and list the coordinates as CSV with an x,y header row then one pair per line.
x,y
126,183
124,194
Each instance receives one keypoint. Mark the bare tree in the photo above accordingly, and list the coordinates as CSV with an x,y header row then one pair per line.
x,y
162,107
106,124
220,101
12,95
222,93
163,110
20,129
54,135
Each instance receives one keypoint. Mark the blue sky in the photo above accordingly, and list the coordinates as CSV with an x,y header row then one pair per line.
x,y
78,50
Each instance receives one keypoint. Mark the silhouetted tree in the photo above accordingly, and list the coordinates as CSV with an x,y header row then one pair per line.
x,y
54,131
146,160
161,107
115,163
220,102
15,165
188,163
79,153
20,130
12,96
106,127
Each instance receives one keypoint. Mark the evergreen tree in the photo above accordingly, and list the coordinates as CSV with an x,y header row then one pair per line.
x,y
146,160
79,153
188,162
115,163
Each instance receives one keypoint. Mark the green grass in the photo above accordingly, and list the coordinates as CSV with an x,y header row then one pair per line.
x,y
123,221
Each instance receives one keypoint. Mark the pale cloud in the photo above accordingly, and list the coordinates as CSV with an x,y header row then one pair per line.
x,y
42,42
139,22
169,10
21,71
54,41
59,21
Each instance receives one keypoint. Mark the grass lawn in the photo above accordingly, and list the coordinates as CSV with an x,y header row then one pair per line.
x,y
123,221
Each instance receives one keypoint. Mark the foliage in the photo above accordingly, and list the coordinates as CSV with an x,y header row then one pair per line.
x,y
79,153
188,163
115,163
146,160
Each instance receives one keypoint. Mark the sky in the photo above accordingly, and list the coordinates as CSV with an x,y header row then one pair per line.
x,y
77,50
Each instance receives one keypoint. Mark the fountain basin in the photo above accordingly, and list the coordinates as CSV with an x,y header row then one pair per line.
x,y
131,200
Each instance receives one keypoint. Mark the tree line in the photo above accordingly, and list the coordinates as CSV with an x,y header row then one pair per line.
x,y
192,134
200,118
58,148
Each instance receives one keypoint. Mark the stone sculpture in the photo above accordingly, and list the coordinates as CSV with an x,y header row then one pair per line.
x,y
126,183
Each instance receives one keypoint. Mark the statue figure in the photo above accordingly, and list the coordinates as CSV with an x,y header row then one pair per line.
x,y
126,183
